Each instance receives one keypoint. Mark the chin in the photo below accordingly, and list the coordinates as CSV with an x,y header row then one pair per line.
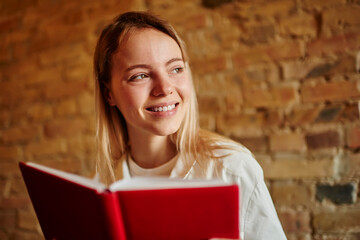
x,y
165,132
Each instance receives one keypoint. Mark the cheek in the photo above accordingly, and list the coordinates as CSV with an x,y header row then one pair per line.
x,y
130,101
185,89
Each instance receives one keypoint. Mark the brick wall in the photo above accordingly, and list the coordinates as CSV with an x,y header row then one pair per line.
x,y
280,76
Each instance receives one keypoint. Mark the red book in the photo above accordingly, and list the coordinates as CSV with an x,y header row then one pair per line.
x,y
72,207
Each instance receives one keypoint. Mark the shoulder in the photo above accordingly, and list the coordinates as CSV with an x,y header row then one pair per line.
x,y
238,162
233,161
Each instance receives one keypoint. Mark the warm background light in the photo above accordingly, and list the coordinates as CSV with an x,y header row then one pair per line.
x,y
278,76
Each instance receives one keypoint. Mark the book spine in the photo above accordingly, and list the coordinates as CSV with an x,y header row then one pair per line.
x,y
116,229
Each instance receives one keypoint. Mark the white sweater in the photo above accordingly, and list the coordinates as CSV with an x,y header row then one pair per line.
x,y
258,218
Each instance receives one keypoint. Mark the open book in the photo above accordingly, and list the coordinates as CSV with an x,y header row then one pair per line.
x,y
69,207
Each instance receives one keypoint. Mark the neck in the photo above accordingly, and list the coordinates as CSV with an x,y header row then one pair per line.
x,y
151,151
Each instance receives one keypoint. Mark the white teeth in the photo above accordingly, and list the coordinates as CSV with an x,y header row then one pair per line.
x,y
164,109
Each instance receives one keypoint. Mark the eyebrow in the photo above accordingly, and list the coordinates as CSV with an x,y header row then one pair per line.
x,y
148,66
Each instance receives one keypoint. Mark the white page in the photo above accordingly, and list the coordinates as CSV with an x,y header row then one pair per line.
x,y
136,183
87,182
144,183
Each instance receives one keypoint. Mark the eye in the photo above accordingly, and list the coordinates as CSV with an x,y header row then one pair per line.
x,y
138,77
177,70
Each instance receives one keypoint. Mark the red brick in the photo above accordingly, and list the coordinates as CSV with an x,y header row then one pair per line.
x,y
45,148
39,112
315,67
298,69
255,144
90,123
66,164
213,85
10,24
350,166
18,37
26,235
287,142
4,187
273,118
68,36
224,35
13,7
14,202
209,104
67,107
45,77
336,236
332,91
353,137
8,168
290,194
297,169
340,18
265,9
16,186
295,222
101,11
28,220
78,72
207,122
344,64
78,146
329,114
20,134
22,67
350,113
299,25
282,51
257,33
194,22
262,73
65,90
60,54
12,99
240,124
336,221
234,99
65,128
320,4
9,152
320,140
281,96
20,49
19,116
209,65
303,115
333,45
8,219
268,53
4,119
5,53
3,234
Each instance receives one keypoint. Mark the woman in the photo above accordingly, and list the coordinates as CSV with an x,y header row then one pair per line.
x,y
147,120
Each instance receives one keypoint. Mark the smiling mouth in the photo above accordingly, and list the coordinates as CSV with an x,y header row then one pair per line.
x,y
163,108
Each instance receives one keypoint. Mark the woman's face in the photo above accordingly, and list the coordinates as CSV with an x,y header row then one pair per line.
x,y
149,83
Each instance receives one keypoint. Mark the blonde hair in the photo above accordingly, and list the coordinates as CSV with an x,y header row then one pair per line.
x,y
112,137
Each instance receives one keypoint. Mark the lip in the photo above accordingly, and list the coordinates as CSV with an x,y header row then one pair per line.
x,y
162,105
163,114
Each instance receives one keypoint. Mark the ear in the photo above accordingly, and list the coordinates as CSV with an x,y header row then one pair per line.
x,y
108,95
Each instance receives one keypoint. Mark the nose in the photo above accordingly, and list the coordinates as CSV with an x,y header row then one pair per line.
x,y
162,85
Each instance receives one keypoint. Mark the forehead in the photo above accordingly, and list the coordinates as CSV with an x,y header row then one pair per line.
x,y
147,42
